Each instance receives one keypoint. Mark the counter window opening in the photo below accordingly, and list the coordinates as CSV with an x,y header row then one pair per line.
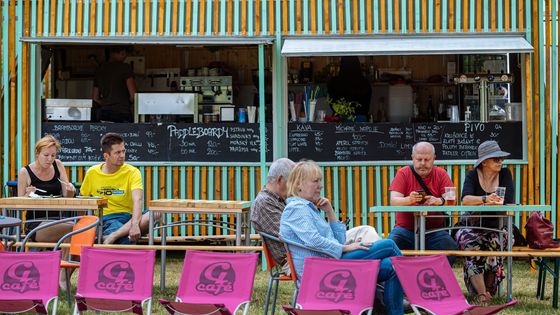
x,y
453,101
400,89
173,83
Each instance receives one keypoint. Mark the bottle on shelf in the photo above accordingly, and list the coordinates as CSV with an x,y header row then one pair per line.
x,y
430,110
468,114
442,111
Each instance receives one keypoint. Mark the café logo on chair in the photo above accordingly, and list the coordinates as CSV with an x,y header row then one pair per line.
x,y
217,278
431,285
337,286
21,277
116,277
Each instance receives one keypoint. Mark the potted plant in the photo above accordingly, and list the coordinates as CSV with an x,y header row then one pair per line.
x,y
343,108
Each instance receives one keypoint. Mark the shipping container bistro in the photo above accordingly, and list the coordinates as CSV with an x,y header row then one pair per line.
x,y
283,36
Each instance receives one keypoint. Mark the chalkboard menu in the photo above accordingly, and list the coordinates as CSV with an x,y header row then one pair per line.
x,y
393,141
163,142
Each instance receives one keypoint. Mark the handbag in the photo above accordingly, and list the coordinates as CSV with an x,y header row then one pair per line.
x,y
540,232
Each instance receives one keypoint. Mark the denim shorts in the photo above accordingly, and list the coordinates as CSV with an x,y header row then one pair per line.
x,y
113,222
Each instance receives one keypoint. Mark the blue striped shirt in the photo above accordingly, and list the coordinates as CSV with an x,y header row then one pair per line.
x,y
302,223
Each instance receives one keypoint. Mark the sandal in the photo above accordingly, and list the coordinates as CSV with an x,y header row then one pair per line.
x,y
483,298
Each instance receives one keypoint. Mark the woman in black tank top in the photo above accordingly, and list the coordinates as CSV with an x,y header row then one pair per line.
x,y
45,176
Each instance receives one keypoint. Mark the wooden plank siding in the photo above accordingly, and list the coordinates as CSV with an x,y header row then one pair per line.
x,y
353,188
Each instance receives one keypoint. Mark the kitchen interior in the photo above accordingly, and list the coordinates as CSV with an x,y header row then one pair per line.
x,y
194,83
424,88
212,84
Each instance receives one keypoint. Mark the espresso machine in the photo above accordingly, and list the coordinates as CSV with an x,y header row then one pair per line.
x,y
215,94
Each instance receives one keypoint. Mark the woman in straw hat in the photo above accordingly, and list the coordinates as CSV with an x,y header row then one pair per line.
x,y
483,274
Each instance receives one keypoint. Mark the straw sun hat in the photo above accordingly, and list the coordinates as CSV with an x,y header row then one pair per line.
x,y
487,150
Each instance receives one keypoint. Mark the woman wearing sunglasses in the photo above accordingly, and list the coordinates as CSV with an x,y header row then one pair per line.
x,y
483,274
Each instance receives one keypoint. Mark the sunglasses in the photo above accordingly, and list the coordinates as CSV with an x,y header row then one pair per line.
x,y
497,159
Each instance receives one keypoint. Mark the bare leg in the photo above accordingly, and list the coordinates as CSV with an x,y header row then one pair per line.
x,y
477,282
124,230
482,296
52,235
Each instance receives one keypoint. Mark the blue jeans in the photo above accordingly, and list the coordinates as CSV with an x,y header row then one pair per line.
x,y
440,240
383,249
113,222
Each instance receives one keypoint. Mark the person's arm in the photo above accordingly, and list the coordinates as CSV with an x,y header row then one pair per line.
x,y
131,86
399,199
134,232
507,182
68,190
300,221
96,95
23,184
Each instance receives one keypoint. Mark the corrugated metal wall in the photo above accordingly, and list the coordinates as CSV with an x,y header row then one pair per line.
x,y
352,188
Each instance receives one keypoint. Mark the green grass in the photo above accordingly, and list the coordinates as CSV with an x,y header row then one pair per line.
x,y
524,289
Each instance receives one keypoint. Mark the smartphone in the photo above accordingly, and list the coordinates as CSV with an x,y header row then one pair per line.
x,y
423,193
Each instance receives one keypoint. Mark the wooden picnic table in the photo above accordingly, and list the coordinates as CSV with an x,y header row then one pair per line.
x,y
240,209
503,212
13,206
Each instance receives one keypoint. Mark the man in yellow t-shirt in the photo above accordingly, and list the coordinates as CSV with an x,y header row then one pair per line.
x,y
121,185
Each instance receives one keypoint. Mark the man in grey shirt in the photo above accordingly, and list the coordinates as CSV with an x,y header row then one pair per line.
x,y
270,202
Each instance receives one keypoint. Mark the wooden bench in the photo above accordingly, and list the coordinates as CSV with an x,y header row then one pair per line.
x,y
201,238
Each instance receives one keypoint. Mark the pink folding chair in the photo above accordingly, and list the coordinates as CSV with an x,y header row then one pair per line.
x,y
29,282
115,280
336,286
214,283
430,284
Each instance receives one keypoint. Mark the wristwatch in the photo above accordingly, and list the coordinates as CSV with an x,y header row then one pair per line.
x,y
442,201
483,199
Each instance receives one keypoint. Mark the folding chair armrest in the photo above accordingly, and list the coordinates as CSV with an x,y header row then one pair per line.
x,y
194,308
306,247
296,311
44,226
269,236
85,228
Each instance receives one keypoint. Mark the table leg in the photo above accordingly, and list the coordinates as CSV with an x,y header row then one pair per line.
x,y
416,231
100,226
509,296
238,224
163,252
151,228
247,216
555,284
422,235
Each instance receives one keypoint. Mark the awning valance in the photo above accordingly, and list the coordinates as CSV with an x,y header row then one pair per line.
x,y
149,40
405,44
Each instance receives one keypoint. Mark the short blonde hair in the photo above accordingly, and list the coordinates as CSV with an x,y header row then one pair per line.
x,y
46,142
303,170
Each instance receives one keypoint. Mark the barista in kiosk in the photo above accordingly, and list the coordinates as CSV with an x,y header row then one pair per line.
x,y
114,88
351,85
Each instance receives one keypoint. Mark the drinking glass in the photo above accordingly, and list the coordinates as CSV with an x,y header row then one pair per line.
x,y
501,192
450,196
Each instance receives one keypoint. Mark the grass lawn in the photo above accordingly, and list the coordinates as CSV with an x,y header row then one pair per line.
x,y
524,289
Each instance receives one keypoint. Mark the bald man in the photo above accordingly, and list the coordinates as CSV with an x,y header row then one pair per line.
x,y
405,192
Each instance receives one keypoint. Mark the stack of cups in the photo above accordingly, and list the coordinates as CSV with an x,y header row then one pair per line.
x,y
252,112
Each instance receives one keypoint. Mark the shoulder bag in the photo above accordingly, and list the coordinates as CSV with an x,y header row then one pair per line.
x,y
540,232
